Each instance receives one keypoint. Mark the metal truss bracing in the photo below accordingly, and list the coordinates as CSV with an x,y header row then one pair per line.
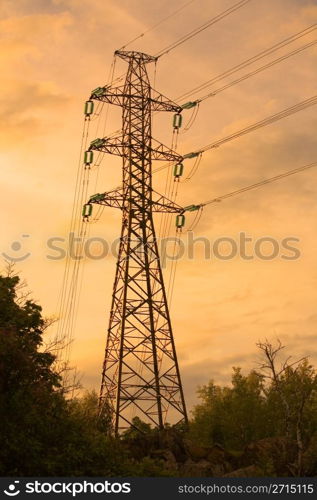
x,y
140,376
116,96
115,199
117,145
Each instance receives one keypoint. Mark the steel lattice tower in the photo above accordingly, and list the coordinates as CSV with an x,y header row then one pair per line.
x,y
140,374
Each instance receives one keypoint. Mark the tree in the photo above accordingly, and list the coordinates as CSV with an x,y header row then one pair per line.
x,y
293,385
231,416
278,402
42,433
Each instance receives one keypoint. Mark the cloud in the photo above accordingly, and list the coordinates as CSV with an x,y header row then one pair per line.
x,y
24,109
29,97
24,7
30,35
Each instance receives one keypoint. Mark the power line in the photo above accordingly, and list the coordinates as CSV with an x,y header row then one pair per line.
x,y
262,123
249,61
255,126
258,184
258,70
201,28
192,33
157,24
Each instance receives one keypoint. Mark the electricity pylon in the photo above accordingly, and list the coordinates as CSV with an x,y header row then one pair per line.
x,y
140,374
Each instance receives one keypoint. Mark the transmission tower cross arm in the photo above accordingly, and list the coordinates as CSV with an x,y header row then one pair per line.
x,y
139,57
163,204
110,95
110,199
162,103
116,199
116,95
120,147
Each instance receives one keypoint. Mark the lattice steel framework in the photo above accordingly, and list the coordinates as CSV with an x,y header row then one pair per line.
x,y
140,374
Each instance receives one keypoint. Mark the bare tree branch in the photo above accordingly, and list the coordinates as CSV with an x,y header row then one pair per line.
x,y
293,392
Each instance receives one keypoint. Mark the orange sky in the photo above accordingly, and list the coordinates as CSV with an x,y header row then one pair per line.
x,y
53,52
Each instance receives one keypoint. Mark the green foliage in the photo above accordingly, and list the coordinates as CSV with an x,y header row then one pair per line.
x,y
28,396
85,447
295,399
231,416
137,427
278,406
41,432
